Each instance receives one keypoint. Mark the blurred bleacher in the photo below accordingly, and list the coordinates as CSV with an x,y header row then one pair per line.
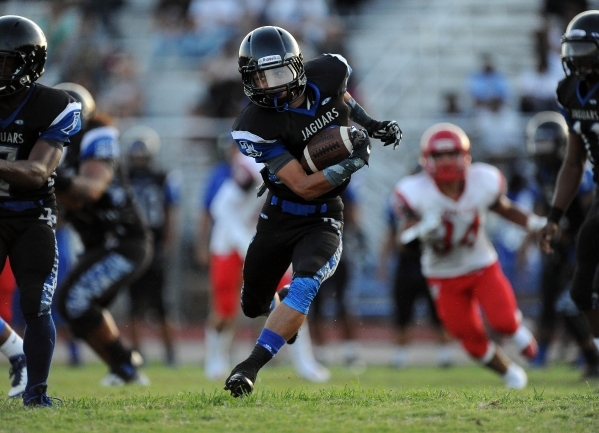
x,y
405,53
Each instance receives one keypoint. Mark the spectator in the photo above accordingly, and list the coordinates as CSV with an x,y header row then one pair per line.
x,y
537,85
488,84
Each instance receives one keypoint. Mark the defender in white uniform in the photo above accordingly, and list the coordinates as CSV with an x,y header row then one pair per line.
x,y
445,207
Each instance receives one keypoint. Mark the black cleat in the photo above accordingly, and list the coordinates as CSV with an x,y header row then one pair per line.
x,y
239,384
292,339
591,372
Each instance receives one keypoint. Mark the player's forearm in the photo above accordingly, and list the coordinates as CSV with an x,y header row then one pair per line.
x,y
568,183
357,112
25,174
312,186
86,189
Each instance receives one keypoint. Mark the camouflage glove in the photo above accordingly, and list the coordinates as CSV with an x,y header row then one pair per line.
x,y
361,144
387,131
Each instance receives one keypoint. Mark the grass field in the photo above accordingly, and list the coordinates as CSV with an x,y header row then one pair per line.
x,y
458,399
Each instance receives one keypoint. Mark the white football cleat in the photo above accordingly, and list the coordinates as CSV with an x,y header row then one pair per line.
x,y
313,372
114,380
515,377
18,374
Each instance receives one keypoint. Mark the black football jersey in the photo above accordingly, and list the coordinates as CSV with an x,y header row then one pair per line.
x,y
154,192
45,113
265,133
580,107
114,215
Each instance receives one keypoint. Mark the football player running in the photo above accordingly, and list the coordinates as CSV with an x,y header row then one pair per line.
x,y
577,96
37,123
98,202
546,138
301,222
445,207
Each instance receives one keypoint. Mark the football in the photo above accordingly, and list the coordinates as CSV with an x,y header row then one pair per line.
x,y
326,148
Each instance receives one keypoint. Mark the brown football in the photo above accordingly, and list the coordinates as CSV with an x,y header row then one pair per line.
x,y
326,148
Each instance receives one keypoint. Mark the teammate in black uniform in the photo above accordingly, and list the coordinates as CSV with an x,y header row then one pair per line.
x,y
546,138
92,187
158,195
36,123
301,222
577,95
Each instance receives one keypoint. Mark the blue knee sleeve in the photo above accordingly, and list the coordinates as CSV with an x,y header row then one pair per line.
x,y
2,325
271,341
301,293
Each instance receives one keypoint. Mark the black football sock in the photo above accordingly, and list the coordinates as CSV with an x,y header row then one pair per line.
x,y
120,360
258,359
38,346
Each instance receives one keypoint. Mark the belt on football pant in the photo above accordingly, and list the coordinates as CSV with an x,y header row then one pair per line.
x,y
19,206
298,208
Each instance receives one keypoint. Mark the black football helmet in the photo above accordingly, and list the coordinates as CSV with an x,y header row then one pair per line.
x,y
23,50
547,135
82,95
272,67
580,45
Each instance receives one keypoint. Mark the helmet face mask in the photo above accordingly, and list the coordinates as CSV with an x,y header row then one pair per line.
x,y
23,50
546,138
445,152
580,46
271,67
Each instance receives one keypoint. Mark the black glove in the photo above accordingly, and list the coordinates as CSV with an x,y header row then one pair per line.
x,y
361,144
62,181
387,131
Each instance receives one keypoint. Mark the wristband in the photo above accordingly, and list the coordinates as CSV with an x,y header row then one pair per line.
x,y
534,223
555,214
63,183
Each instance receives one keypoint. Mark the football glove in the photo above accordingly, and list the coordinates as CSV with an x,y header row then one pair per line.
x,y
361,144
387,131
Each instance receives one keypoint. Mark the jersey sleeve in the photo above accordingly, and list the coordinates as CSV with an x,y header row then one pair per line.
x,y
399,203
330,72
257,147
490,182
65,125
173,185
561,104
217,177
100,143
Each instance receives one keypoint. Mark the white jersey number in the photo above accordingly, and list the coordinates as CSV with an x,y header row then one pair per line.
x,y
7,153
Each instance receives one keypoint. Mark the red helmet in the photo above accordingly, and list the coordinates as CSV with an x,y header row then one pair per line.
x,y
445,138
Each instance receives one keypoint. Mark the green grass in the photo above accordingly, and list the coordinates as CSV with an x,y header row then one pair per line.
x,y
459,399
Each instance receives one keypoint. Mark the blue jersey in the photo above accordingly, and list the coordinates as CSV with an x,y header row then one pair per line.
x,y
45,113
267,133
114,215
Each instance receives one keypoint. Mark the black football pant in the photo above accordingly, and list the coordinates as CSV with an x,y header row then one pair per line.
x,y
585,284
307,242
408,285
96,279
27,238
